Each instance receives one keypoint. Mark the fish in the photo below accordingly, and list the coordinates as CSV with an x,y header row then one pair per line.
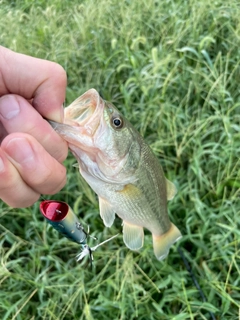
x,y
122,169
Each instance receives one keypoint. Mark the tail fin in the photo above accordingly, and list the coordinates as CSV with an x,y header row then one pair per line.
x,y
162,244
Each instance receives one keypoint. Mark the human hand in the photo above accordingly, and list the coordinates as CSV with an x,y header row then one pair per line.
x,y
31,152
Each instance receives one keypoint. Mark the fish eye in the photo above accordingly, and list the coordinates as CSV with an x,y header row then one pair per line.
x,y
117,122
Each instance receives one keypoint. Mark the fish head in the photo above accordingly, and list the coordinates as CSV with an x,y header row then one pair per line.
x,y
103,141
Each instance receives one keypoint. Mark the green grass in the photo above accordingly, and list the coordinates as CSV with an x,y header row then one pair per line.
x,y
172,68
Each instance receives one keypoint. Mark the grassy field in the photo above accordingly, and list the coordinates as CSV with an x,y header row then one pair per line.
x,y
172,67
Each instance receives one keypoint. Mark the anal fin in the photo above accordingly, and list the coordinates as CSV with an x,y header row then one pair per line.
x,y
133,236
106,212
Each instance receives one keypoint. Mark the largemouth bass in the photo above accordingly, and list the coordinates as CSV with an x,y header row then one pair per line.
x,y
122,169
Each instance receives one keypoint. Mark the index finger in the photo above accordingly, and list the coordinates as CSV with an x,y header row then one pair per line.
x,y
32,78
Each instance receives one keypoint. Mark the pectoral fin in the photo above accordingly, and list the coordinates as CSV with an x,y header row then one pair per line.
x,y
106,212
133,236
75,165
171,189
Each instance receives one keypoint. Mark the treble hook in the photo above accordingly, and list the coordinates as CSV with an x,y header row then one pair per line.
x,y
64,220
88,251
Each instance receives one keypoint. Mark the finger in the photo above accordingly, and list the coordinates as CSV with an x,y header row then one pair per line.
x,y
37,168
13,190
17,115
41,80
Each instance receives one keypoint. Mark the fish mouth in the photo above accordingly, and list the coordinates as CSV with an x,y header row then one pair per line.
x,y
86,111
82,119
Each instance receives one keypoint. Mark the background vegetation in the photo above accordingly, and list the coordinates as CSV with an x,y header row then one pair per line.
x,y
172,67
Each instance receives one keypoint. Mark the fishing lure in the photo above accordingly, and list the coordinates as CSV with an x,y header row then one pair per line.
x,y
63,219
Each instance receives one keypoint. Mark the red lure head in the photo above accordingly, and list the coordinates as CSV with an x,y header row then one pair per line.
x,y
63,219
54,210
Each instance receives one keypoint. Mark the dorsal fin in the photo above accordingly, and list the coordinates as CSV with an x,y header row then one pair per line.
x,y
171,189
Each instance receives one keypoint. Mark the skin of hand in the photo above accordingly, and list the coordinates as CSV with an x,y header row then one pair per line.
x,y
31,152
